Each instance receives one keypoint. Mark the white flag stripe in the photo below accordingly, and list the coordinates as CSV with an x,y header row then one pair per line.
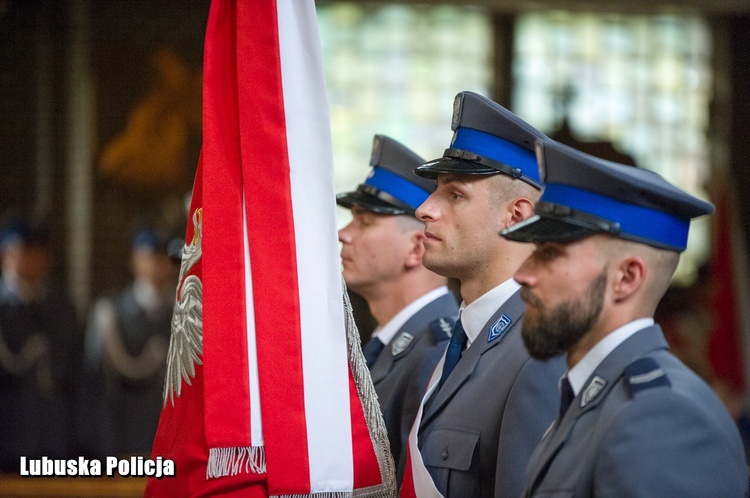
x,y
325,365
256,424
424,486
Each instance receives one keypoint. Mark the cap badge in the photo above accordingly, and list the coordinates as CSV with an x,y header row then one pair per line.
x,y
375,155
456,111
499,328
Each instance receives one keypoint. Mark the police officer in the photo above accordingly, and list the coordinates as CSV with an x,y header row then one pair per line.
x,y
127,338
634,420
41,343
489,402
381,256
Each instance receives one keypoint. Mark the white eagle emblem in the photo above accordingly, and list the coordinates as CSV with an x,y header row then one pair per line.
x,y
186,342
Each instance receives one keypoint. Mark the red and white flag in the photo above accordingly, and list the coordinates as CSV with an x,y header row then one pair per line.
x,y
267,393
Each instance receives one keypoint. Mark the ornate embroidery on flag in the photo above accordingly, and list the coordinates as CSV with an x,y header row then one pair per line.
x,y
186,342
286,395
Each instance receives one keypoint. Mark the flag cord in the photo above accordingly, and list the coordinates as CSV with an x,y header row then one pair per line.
x,y
370,406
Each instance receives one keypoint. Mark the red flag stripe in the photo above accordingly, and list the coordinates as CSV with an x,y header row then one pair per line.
x,y
272,248
224,312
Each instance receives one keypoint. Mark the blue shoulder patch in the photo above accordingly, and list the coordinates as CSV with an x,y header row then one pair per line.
x,y
645,373
442,328
499,328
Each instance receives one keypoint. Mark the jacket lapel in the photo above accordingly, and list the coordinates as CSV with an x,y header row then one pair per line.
x,y
510,312
594,391
413,327
382,365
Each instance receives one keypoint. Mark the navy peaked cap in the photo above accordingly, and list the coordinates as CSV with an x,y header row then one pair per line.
x,y
487,139
23,229
584,195
156,238
391,187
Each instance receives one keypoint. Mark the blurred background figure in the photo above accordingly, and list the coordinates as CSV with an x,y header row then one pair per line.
x,y
40,349
127,337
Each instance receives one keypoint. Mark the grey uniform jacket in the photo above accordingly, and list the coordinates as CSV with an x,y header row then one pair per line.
x,y
643,425
403,369
479,430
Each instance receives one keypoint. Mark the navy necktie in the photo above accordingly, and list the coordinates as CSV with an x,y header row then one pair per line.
x,y
372,350
453,353
566,396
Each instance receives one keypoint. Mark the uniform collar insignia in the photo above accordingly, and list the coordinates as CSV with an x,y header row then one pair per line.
x,y
592,390
445,326
499,328
401,343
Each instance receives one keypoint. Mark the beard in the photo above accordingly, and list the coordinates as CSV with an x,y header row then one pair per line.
x,y
551,332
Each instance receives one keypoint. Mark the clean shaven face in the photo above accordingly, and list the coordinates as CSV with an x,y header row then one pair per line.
x,y
373,250
461,225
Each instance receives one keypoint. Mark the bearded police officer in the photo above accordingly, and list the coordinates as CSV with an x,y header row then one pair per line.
x,y
488,403
382,261
634,420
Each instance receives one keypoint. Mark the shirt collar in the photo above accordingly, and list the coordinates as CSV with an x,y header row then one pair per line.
x,y
475,315
582,370
388,331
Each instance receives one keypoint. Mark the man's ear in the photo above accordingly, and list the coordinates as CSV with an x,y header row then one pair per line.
x,y
629,276
416,249
519,210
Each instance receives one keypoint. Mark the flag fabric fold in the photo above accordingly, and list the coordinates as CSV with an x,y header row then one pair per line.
x,y
275,369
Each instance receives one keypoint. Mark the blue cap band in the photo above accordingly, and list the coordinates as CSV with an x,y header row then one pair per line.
x,y
487,145
642,223
398,187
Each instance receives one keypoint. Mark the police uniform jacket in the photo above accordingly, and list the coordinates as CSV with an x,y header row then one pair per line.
x,y
41,345
125,368
478,431
643,425
402,370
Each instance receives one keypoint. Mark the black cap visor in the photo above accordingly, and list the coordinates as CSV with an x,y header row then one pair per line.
x,y
383,203
543,229
463,162
450,165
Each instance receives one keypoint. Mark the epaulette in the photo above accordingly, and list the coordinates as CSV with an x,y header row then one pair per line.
x,y
442,328
645,373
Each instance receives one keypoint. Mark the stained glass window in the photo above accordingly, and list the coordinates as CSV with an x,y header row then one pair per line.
x,y
643,83
394,70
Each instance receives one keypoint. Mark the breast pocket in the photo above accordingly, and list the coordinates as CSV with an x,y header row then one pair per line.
x,y
448,454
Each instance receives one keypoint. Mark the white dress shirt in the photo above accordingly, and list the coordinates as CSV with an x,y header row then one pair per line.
x,y
475,315
388,331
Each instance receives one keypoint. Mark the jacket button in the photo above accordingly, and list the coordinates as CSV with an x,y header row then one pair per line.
x,y
445,455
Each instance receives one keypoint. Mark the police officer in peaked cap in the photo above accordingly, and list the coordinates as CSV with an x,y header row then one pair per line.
x,y
489,402
634,421
390,187
381,257
42,339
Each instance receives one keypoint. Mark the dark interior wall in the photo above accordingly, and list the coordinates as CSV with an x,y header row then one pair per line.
x,y
739,145
127,36
35,38
27,29
32,35
16,130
